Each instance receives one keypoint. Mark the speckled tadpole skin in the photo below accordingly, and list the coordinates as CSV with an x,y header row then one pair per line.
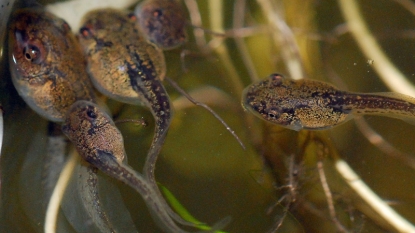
x,y
122,64
99,142
310,104
47,65
92,131
163,22
126,67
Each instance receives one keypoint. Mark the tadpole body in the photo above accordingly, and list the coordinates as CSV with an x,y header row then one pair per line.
x,y
100,143
46,63
311,104
163,22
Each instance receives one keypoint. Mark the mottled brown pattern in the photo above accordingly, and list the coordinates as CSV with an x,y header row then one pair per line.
x,y
126,67
163,22
113,47
92,131
310,104
100,143
94,198
47,65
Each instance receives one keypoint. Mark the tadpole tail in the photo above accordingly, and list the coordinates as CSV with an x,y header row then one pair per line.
x,y
389,104
108,164
88,186
162,112
151,91
163,118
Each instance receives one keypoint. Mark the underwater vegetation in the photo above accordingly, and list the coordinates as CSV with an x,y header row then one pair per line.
x,y
319,93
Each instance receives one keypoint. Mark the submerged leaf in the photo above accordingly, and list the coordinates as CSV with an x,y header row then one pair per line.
x,y
181,210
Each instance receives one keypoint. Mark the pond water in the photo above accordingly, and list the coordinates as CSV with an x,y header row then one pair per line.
x,y
205,167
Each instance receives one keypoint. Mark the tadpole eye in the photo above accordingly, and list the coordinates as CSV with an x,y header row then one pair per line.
x,y
273,113
157,13
91,113
85,32
276,78
33,53
132,16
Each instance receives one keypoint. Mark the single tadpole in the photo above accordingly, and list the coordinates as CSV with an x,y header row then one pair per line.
x,y
163,22
314,105
46,63
100,143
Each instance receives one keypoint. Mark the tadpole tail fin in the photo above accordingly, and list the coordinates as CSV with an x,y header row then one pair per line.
x,y
152,197
387,104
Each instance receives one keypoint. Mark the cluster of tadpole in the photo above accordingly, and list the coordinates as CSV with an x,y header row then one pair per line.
x,y
48,71
55,73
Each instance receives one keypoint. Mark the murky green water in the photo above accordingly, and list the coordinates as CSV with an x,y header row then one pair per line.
x,y
204,166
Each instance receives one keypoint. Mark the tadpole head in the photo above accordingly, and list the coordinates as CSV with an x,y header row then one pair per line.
x,y
80,117
266,99
86,32
162,22
28,43
272,114
91,24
